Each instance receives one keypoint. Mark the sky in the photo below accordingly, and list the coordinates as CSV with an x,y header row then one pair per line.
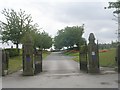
x,y
53,15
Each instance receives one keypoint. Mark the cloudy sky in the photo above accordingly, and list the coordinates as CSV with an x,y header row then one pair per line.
x,y
53,15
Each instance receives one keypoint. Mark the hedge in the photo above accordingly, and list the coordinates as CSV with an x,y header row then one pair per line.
x,y
12,52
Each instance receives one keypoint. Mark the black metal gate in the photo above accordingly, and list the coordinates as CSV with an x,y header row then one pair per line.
x,y
83,58
118,57
5,61
38,62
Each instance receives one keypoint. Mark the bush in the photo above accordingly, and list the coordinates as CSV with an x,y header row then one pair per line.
x,y
74,48
12,52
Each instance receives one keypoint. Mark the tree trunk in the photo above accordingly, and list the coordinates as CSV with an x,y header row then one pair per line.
x,y
17,48
78,46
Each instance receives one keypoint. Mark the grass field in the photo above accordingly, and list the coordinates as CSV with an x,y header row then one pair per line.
x,y
107,59
15,63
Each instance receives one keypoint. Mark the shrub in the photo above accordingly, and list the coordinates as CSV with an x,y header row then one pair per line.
x,y
12,52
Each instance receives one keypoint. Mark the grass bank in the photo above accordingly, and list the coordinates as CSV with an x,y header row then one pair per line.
x,y
106,58
15,64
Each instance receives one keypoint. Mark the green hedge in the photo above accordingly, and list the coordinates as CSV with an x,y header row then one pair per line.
x,y
12,52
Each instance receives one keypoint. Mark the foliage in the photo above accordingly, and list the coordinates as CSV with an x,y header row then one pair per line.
x,y
12,52
46,40
115,5
42,40
28,38
18,28
108,45
17,23
68,37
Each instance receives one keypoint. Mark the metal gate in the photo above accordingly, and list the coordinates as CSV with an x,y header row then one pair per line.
x,y
83,58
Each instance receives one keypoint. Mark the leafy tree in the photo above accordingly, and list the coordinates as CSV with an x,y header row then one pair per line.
x,y
17,23
68,37
74,35
46,41
59,39
42,40
115,5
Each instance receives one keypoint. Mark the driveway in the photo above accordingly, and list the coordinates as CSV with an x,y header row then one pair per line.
x,y
60,71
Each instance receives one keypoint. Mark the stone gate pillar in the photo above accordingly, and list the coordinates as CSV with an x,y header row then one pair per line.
x,y
93,55
28,65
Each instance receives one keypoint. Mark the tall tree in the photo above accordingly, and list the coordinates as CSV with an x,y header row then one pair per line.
x,y
42,40
116,5
17,23
69,36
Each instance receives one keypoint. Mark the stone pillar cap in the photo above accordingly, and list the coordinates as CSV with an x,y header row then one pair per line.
x,y
91,37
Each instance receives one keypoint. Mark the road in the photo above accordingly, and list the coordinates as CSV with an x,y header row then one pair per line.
x,y
60,71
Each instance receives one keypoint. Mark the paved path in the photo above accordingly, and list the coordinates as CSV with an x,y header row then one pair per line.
x,y
56,63
60,71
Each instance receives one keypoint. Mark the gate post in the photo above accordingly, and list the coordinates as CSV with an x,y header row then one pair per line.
x,y
93,55
28,67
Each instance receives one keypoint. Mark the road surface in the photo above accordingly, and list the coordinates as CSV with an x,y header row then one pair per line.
x,y
60,71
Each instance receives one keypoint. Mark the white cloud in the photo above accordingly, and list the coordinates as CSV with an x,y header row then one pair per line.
x,y
52,15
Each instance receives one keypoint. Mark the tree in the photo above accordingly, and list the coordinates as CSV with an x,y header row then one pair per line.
x,y
116,5
74,35
17,23
42,40
68,37
59,40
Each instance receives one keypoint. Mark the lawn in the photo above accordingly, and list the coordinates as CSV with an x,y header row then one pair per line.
x,y
15,63
45,54
107,59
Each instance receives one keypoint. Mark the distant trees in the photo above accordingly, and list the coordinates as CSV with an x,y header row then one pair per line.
x,y
108,45
68,37
18,24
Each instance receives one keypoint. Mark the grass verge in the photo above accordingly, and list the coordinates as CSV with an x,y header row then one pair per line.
x,y
15,63
106,59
